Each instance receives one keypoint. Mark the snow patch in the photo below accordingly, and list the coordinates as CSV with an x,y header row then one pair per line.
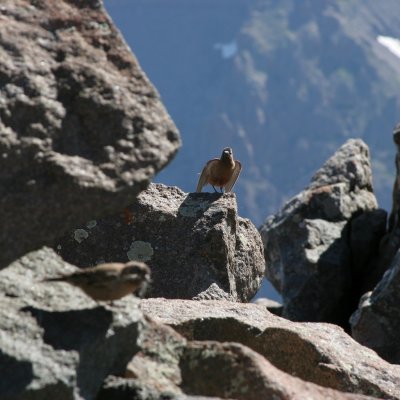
x,y
392,44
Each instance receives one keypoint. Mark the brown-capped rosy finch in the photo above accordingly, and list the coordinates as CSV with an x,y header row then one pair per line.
x,y
107,282
222,172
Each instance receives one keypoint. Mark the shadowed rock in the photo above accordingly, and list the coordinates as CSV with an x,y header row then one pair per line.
x,y
309,249
315,352
377,262
82,130
394,218
196,244
376,323
366,233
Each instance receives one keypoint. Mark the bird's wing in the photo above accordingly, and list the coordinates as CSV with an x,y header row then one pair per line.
x,y
95,277
203,180
236,172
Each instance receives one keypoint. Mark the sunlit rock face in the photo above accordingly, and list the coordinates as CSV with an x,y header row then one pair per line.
x,y
82,130
195,243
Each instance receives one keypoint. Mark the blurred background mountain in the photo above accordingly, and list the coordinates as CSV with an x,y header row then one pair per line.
x,y
284,83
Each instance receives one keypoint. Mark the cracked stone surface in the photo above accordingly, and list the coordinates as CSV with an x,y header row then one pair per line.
x,y
195,243
315,352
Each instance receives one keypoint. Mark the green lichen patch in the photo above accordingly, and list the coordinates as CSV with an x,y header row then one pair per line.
x,y
80,235
140,251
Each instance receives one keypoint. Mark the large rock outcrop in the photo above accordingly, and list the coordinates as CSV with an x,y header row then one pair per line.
x,y
315,352
82,130
313,256
56,343
170,367
196,244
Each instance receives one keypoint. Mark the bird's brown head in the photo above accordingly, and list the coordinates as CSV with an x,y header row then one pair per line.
x,y
227,154
136,271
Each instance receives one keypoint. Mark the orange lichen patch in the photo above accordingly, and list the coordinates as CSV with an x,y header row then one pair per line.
x,y
327,189
128,216
322,189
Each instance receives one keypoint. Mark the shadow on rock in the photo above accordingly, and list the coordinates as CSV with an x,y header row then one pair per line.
x,y
14,373
72,330
196,204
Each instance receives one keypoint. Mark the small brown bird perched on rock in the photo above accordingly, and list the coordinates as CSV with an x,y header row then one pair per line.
x,y
107,282
222,172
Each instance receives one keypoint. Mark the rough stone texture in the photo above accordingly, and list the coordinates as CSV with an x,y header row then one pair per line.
x,y
214,292
169,367
82,130
315,352
116,388
196,244
376,323
307,244
157,366
55,342
234,371
155,371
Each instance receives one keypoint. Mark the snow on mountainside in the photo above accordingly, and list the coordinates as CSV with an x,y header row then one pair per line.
x,y
392,44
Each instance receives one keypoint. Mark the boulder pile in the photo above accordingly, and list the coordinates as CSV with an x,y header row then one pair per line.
x,y
82,132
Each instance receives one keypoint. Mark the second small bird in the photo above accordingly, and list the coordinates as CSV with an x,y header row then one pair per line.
x,y
222,172
108,282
